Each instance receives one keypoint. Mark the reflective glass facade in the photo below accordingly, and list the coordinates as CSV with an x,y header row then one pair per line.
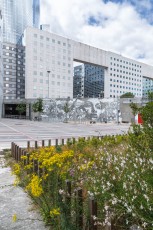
x,y
36,13
88,81
17,15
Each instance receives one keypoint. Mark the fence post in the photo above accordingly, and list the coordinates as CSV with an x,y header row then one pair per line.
x,y
43,143
19,155
49,142
36,144
93,213
73,140
15,155
62,141
56,142
28,144
80,209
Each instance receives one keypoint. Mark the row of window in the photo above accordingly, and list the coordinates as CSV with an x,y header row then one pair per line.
x,y
127,87
52,40
125,62
125,67
121,71
128,78
53,83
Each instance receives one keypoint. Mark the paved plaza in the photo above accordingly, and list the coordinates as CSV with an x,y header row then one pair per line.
x,y
20,131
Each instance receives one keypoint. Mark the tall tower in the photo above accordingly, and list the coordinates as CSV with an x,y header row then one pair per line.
x,y
17,15
36,13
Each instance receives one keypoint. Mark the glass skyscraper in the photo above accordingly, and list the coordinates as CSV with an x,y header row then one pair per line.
x,y
17,15
36,13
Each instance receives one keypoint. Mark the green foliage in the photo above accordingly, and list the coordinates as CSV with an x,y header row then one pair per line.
x,y
147,115
38,106
66,108
150,96
127,95
21,108
135,108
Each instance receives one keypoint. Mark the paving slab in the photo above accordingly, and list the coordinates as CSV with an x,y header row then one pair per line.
x,y
15,201
21,131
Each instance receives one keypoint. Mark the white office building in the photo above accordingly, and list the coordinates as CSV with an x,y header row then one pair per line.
x,y
49,67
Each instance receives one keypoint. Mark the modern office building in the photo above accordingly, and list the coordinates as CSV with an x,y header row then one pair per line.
x,y
17,15
88,81
49,67
13,71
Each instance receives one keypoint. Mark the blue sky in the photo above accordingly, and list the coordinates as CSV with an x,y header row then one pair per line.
x,y
122,26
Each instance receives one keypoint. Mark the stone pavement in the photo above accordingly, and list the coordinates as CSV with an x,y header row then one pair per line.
x,y
21,131
14,201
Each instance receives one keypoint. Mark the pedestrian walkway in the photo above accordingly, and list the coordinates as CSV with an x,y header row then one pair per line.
x,y
16,209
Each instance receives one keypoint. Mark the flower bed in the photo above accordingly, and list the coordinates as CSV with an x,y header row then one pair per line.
x,y
109,174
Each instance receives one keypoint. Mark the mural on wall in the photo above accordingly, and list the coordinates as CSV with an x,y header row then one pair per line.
x,y
97,109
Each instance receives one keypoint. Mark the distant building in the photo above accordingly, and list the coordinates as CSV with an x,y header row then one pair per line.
x,y
13,71
147,86
17,15
88,81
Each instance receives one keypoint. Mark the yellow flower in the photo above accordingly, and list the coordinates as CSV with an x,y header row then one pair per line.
x,y
55,212
14,218
16,182
35,186
16,169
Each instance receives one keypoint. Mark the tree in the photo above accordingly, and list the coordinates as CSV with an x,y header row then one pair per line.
x,y
150,96
127,95
144,133
38,106
147,115
21,108
66,109
135,109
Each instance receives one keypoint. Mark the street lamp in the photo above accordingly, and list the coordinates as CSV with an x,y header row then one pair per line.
x,y
48,71
101,96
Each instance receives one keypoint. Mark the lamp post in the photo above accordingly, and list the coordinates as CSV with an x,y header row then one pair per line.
x,y
117,107
48,71
101,96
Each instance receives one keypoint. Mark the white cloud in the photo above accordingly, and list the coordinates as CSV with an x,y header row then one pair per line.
x,y
120,27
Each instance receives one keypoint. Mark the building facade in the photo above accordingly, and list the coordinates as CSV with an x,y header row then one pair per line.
x,y
17,15
13,71
49,67
88,81
1,64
